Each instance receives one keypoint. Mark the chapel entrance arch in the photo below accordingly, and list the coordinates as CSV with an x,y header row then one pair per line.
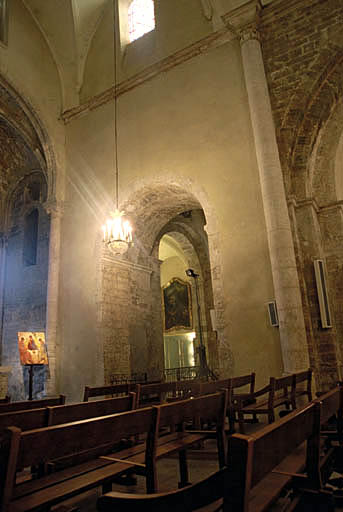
x,y
132,326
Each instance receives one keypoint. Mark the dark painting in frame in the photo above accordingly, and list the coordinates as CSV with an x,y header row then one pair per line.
x,y
177,305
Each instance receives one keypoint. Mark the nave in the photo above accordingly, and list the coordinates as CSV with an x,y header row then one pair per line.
x,y
165,436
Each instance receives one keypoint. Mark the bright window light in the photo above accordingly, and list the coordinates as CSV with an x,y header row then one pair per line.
x,y
141,18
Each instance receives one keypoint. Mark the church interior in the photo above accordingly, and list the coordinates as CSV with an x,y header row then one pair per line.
x,y
171,211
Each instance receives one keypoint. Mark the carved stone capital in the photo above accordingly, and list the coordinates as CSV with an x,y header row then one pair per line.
x,y
244,21
54,207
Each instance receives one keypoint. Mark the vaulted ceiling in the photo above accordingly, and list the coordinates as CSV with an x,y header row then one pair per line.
x,y
68,27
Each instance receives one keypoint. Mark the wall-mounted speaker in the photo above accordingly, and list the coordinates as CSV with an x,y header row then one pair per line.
x,y
325,315
273,316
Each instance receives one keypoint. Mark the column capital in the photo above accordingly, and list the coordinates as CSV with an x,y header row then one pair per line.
x,y
244,20
54,207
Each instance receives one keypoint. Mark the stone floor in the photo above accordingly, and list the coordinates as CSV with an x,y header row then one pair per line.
x,y
200,466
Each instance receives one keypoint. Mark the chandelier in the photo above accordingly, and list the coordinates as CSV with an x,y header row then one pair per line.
x,y
117,231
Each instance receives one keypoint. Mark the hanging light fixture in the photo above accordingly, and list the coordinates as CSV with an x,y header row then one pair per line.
x,y
117,230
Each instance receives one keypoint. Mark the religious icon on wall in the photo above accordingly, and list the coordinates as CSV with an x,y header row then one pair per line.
x,y
32,348
177,305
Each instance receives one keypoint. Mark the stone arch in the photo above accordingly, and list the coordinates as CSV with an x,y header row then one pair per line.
x,y
195,249
307,114
310,170
339,169
151,204
22,118
32,154
323,165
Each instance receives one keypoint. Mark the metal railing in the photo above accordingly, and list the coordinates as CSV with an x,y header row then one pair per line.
x,y
135,378
189,373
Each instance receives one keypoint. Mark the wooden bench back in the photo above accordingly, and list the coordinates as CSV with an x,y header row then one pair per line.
x,y
38,446
243,380
253,457
150,393
187,388
284,383
83,410
114,390
5,400
331,403
25,420
213,386
32,404
207,407
299,378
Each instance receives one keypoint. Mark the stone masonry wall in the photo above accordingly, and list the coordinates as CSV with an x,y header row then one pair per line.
x,y
129,327
302,42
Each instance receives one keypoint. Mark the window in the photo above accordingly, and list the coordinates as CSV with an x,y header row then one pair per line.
x,y
3,21
31,238
141,18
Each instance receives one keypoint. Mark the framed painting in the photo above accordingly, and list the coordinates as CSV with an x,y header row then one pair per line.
x,y
177,305
32,348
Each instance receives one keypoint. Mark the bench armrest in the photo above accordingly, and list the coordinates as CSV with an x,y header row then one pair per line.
x,y
238,400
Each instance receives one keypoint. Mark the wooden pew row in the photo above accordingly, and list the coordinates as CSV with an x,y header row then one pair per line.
x,y
40,446
46,416
105,391
167,391
111,390
284,391
285,454
32,404
5,400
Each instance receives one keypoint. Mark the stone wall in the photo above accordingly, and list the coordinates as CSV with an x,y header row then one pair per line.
x,y
303,49
130,319
25,287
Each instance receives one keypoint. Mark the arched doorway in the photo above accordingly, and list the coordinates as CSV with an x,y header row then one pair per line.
x,y
131,329
183,246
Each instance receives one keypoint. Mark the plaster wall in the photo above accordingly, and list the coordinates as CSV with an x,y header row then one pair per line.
x,y
172,267
186,17
187,126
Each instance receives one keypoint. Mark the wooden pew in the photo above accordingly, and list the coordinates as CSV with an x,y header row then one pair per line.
x,y
32,404
207,409
174,416
5,400
84,410
40,446
298,389
112,390
25,420
43,417
213,386
276,393
156,393
260,467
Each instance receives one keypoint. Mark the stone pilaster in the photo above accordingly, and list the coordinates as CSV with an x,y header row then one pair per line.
x,y
3,246
55,210
244,22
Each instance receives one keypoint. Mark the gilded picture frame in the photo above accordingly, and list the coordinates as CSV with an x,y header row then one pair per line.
x,y
177,305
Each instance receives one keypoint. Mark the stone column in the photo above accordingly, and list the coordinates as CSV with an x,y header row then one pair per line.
x,y
3,247
244,21
55,210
